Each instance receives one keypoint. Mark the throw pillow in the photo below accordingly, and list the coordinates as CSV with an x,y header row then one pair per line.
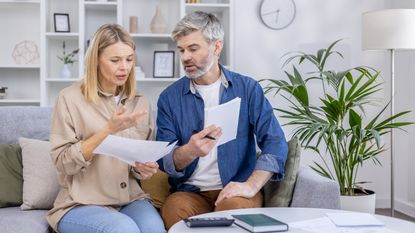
x,y
40,183
158,188
11,178
279,194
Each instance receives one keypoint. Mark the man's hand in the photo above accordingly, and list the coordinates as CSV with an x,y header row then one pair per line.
x,y
199,144
236,189
246,189
146,170
122,120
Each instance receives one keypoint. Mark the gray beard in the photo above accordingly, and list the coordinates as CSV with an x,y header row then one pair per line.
x,y
202,71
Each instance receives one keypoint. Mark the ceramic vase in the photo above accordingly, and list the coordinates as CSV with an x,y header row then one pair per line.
x,y
133,24
65,71
158,23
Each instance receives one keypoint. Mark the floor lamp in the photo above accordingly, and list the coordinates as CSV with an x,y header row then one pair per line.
x,y
391,30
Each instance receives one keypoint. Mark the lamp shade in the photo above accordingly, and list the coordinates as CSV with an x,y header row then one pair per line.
x,y
389,29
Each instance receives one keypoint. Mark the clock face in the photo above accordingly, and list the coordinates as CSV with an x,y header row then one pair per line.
x,y
277,14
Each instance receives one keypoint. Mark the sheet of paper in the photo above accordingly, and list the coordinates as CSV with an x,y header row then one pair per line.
x,y
354,219
325,225
225,116
317,225
132,150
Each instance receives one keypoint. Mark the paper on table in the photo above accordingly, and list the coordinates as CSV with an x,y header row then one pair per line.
x,y
225,116
317,225
354,219
325,225
132,150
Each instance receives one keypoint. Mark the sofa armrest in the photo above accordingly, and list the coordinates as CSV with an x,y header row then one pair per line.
x,y
315,191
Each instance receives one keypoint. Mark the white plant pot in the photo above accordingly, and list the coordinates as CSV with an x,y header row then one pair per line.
x,y
360,203
65,71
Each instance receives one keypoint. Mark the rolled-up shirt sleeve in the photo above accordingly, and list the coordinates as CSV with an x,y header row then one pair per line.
x,y
169,167
267,162
65,146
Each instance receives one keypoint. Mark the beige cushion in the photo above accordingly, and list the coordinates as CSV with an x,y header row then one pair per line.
x,y
279,194
158,188
40,183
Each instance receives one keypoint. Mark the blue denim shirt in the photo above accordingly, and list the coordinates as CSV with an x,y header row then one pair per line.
x,y
181,111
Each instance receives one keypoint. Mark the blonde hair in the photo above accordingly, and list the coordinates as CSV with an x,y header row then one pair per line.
x,y
106,35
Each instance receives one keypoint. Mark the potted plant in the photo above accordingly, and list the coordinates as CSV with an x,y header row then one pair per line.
x,y
337,122
67,59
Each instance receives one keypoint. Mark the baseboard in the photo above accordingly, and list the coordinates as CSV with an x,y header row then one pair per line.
x,y
404,207
383,203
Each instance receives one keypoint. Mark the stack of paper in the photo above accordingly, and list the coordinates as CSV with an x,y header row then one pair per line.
x,y
354,219
343,223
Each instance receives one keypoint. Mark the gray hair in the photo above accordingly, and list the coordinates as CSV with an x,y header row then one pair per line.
x,y
207,23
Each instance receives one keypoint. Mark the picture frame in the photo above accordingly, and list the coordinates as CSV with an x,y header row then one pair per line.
x,y
61,22
163,64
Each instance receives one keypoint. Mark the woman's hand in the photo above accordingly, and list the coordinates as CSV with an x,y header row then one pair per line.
x,y
122,120
146,170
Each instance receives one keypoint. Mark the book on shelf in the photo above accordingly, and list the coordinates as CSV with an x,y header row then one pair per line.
x,y
259,223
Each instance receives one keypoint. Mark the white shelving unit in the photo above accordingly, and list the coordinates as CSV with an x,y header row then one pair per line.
x,y
40,83
19,22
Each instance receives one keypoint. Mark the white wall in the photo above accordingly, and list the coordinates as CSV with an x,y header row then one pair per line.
x,y
258,52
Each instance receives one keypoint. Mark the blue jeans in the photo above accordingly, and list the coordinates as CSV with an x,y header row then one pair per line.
x,y
139,217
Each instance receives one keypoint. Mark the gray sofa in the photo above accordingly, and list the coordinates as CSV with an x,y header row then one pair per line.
x,y
311,190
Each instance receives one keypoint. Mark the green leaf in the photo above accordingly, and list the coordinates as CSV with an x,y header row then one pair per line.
x,y
354,119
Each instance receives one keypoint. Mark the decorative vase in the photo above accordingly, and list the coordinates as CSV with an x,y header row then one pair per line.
x,y
133,24
361,202
65,71
158,23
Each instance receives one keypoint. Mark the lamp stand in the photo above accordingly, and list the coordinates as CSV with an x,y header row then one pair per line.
x,y
391,138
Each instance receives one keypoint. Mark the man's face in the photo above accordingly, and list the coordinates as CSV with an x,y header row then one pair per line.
x,y
196,55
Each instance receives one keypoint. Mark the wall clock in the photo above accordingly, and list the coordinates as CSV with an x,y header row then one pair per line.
x,y
277,14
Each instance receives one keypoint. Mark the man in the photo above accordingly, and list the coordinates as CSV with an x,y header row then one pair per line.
x,y
205,177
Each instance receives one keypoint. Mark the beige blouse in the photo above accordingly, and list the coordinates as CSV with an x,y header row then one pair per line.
x,y
104,180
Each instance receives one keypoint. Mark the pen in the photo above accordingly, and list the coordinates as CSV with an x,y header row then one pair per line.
x,y
206,136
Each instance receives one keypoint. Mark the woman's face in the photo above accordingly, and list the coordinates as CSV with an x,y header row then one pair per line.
x,y
114,65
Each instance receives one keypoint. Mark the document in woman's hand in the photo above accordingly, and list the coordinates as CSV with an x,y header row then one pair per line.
x,y
132,150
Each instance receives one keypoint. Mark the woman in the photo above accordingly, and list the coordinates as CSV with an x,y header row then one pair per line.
x,y
100,193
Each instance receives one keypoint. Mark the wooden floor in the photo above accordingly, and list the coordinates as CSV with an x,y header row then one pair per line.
x,y
387,212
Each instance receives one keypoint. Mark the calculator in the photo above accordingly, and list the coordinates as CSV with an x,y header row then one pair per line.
x,y
208,222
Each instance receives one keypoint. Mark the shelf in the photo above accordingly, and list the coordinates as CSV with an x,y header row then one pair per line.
x,y
62,79
20,101
62,35
40,83
207,7
151,36
19,66
21,2
157,79
92,5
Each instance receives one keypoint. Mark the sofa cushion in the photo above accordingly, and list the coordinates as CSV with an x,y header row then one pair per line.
x,y
24,121
40,182
279,194
13,219
158,188
11,175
